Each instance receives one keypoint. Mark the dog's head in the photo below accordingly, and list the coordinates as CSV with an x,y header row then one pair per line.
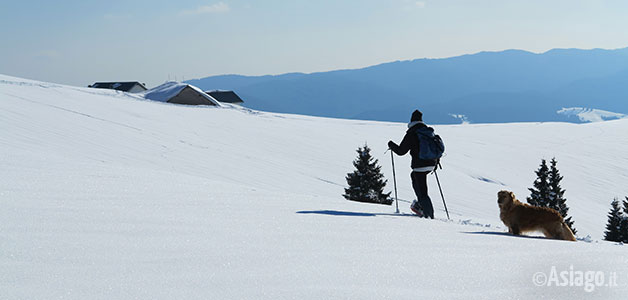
x,y
505,199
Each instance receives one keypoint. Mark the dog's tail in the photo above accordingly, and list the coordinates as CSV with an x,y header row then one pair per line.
x,y
567,234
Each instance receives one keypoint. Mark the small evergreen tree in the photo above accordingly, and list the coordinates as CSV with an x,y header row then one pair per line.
x,y
539,194
623,227
556,198
547,191
615,219
366,183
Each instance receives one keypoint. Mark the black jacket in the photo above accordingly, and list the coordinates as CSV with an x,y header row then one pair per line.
x,y
411,142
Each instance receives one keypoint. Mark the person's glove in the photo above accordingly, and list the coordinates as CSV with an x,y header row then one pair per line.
x,y
390,144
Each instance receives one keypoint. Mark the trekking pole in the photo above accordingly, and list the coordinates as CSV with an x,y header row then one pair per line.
x,y
441,194
392,159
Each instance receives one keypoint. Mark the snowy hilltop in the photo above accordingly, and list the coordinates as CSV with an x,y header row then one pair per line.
x,y
591,115
107,195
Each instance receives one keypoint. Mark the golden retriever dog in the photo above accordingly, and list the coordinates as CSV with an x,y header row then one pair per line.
x,y
521,217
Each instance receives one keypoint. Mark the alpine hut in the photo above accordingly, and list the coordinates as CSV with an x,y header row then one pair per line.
x,y
180,93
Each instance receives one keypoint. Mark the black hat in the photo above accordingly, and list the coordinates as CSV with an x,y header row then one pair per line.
x,y
416,116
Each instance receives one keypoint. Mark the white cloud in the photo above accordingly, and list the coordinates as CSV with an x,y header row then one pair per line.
x,y
215,8
413,5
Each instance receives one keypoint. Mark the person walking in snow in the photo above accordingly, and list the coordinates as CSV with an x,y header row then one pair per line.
x,y
420,167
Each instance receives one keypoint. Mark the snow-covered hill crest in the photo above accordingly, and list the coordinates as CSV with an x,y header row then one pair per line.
x,y
591,115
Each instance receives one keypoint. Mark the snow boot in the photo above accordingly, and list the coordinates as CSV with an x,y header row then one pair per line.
x,y
416,208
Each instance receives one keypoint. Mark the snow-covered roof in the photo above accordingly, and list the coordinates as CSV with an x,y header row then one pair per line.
x,y
120,86
170,89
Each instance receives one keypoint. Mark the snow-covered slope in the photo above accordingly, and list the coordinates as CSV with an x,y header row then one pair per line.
x,y
591,115
105,195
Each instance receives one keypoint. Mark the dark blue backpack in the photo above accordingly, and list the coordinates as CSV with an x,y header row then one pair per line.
x,y
431,146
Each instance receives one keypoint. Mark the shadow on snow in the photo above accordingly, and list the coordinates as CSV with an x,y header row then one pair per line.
x,y
501,233
349,213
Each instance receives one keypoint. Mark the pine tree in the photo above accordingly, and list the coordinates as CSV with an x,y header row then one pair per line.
x,y
547,191
539,194
623,227
615,219
366,183
556,198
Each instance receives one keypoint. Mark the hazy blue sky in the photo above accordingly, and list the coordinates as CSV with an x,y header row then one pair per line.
x,y
79,42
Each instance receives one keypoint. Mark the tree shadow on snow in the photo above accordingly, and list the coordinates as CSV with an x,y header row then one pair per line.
x,y
501,233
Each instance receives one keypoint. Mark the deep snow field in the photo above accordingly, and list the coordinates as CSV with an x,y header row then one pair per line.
x,y
105,195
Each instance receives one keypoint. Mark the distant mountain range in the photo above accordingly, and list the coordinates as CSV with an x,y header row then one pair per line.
x,y
487,87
